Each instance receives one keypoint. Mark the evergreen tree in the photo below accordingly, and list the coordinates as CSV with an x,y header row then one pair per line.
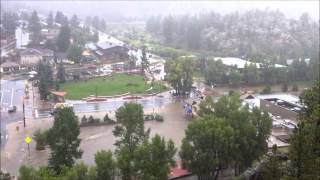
x,y
50,20
9,21
61,74
144,61
74,53
63,139
74,22
35,28
63,39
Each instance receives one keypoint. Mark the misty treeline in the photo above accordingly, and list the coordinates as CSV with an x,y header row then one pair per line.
x,y
255,35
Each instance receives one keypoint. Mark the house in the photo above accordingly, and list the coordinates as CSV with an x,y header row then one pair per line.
x,y
50,33
9,67
111,51
32,56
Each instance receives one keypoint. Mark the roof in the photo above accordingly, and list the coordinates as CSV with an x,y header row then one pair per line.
x,y
106,45
178,171
281,96
240,63
9,64
61,55
36,52
59,93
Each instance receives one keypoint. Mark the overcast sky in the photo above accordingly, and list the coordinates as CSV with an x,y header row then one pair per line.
x,y
292,9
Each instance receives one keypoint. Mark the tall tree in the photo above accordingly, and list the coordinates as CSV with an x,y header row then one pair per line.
x,y
272,169
153,159
45,79
61,74
144,60
207,147
50,20
35,27
130,133
63,139
168,28
106,166
74,22
63,39
180,74
9,21
304,150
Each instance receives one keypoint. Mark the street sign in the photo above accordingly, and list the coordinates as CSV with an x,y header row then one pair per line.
x,y
27,139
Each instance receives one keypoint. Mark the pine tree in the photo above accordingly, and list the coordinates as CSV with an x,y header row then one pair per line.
x,y
63,39
35,27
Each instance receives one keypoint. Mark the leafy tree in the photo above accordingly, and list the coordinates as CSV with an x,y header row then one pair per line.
x,y
153,159
235,78
9,21
63,139
267,89
130,133
180,75
272,169
63,39
35,27
206,107
213,72
41,138
50,20
27,173
251,74
74,53
61,73
106,166
305,144
207,147
78,172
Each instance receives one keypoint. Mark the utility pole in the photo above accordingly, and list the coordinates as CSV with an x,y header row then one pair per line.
x,y
24,117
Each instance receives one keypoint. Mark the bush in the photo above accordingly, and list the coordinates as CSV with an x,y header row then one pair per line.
x,y
41,139
295,87
91,119
266,90
84,119
285,87
158,117
108,120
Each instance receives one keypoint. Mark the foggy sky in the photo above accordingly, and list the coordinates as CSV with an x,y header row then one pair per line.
x,y
145,9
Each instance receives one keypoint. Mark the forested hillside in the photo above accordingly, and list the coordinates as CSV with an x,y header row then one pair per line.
x,y
254,35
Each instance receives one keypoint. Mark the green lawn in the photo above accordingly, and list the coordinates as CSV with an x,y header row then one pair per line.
x,y
108,86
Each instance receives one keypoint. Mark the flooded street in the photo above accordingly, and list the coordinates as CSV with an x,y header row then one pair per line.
x,y
94,138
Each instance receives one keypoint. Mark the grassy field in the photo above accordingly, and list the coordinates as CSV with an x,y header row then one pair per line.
x,y
108,86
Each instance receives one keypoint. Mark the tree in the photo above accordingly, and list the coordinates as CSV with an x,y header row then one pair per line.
x,y
130,133
103,25
168,28
152,160
272,169
27,173
206,107
78,172
207,147
63,139
41,138
50,20
45,79
213,72
144,60
74,53
74,22
304,143
35,28
63,39
235,78
9,22
180,75
61,19
106,166
61,73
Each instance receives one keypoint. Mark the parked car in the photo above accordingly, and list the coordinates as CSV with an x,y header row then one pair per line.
x,y
12,109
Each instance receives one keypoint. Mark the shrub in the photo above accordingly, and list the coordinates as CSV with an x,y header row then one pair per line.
x,y
295,87
266,90
158,118
108,120
285,87
41,139
96,120
84,119
91,119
